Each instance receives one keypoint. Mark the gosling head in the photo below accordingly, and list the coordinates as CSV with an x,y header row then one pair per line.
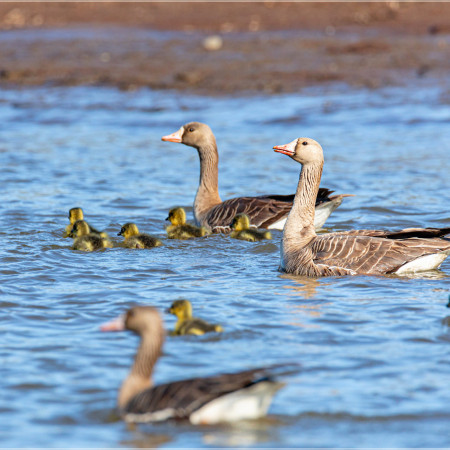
x,y
302,150
177,216
240,222
181,308
75,214
194,134
128,230
80,228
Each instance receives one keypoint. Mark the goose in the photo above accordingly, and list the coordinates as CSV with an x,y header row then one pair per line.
x,y
241,230
134,239
220,398
77,214
85,240
266,211
179,229
370,252
186,324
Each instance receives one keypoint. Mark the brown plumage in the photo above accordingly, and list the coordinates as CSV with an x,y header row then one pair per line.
x,y
353,252
187,399
266,211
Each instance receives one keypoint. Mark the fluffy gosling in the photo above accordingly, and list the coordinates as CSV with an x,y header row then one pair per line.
x,y
186,324
77,214
179,229
241,230
134,239
85,240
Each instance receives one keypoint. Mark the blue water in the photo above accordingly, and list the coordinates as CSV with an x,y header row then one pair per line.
x,y
374,351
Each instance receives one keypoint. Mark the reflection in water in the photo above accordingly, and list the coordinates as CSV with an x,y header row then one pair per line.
x,y
304,287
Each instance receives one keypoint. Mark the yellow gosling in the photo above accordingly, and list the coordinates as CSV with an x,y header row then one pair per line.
x,y
179,229
241,230
77,214
134,239
85,240
186,324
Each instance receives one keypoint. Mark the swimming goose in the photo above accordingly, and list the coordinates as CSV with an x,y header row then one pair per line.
x,y
266,211
134,239
186,324
348,253
179,229
77,214
85,240
241,230
209,400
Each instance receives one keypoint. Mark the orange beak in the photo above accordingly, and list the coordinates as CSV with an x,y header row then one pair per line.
x,y
286,149
117,324
174,137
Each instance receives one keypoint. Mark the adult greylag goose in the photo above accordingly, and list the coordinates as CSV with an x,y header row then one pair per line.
x,y
354,252
77,214
186,324
241,230
266,211
134,239
179,229
85,240
209,400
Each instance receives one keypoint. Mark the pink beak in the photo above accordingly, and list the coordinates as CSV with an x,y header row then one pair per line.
x,y
117,324
286,149
174,137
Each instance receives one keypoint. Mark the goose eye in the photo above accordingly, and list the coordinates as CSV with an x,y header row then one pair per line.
x,y
191,129
304,143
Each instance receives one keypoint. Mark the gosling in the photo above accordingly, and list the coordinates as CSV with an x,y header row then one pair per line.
x,y
134,239
179,229
241,230
85,240
186,324
77,214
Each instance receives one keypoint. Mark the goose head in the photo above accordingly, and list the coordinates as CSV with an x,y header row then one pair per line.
x,y
128,230
75,214
302,150
181,308
194,134
80,228
240,222
141,320
177,216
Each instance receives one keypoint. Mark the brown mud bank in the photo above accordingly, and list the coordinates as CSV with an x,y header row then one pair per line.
x,y
223,48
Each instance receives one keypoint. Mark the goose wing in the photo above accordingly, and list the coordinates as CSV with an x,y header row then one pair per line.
x,y
367,254
179,399
262,211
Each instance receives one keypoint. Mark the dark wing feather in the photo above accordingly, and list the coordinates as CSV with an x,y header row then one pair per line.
x,y
196,324
186,396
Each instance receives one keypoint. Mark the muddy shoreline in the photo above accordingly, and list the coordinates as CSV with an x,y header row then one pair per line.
x,y
224,48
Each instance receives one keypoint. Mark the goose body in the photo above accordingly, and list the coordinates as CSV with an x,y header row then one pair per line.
x,y
355,252
241,230
179,229
77,214
134,239
266,211
85,240
186,324
209,400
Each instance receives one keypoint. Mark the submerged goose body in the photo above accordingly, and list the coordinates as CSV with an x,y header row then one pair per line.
x,y
266,211
77,214
134,239
85,240
179,229
241,230
221,398
348,253
186,324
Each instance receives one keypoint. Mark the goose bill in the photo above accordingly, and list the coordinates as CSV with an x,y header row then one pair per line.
x,y
287,149
117,324
174,137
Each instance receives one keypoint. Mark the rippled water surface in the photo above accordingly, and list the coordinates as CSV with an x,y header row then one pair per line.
x,y
374,351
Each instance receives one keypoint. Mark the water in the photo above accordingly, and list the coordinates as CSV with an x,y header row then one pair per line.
x,y
373,350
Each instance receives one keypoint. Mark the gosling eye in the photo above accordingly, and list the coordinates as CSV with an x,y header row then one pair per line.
x,y
304,143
